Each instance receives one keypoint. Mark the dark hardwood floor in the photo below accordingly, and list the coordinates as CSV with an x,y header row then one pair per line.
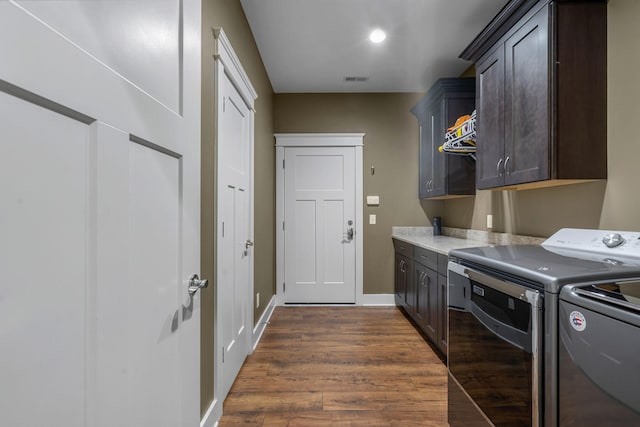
x,y
339,366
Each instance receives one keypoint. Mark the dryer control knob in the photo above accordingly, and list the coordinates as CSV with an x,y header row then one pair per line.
x,y
612,240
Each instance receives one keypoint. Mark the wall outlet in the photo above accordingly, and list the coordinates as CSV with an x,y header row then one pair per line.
x,y
258,300
372,219
489,221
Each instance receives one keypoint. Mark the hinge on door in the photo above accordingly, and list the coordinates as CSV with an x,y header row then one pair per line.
x,y
282,163
222,354
282,225
222,228
224,103
284,287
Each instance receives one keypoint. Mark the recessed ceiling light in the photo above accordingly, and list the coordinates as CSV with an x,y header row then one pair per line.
x,y
377,36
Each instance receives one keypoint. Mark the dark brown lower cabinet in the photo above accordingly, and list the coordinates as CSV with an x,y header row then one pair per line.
x,y
421,290
404,287
443,319
426,311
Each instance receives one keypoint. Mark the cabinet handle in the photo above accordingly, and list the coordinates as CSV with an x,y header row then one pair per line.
x,y
402,266
506,162
498,167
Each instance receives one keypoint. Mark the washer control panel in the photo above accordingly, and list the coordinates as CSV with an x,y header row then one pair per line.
x,y
625,243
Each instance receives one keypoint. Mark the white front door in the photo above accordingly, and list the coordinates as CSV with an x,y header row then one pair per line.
x,y
234,216
320,225
99,226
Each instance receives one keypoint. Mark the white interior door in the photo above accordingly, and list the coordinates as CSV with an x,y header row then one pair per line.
x,y
99,186
320,225
234,283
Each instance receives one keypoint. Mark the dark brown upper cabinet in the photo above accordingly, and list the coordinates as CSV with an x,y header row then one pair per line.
x,y
441,175
541,72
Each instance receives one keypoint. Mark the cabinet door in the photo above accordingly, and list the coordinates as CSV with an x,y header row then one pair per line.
x,y
400,285
432,314
424,163
438,164
422,296
410,287
490,120
527,102
403,284
443,318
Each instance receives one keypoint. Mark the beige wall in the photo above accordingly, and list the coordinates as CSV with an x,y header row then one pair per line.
x,y
229,16
390,145
610,204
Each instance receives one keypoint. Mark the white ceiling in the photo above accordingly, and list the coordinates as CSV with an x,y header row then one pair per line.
x,y
312,45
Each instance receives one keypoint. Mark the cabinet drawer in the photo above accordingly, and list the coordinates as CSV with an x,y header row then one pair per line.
x,y
403,248
427,258
443,260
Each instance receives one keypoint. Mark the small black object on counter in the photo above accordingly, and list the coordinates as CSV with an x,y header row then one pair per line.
x,y
437,226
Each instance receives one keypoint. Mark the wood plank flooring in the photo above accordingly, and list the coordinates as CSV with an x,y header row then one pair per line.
x,y
339,366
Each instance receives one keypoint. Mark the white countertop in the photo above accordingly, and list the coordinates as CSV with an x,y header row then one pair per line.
x,y
423,237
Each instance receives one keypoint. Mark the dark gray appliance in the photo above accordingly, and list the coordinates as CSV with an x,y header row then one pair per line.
x,y
503,304
599,355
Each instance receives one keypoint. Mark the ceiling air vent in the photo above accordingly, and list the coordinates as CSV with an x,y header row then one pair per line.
x,y
356,79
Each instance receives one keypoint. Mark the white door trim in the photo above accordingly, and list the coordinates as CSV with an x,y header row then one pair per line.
x,y
284,140
225,54
227,63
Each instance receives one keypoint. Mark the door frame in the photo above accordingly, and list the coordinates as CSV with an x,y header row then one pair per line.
x,y
226,62
288,140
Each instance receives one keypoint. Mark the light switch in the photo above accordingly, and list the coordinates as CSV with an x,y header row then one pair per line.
x,y
489,221
373,201
372,219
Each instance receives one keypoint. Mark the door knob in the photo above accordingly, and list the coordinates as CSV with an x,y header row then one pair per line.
x,y
247,244
196,283
350,230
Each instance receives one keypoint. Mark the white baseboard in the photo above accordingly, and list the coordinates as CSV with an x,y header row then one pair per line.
x,y
378,299
363,300
213,415
262,323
